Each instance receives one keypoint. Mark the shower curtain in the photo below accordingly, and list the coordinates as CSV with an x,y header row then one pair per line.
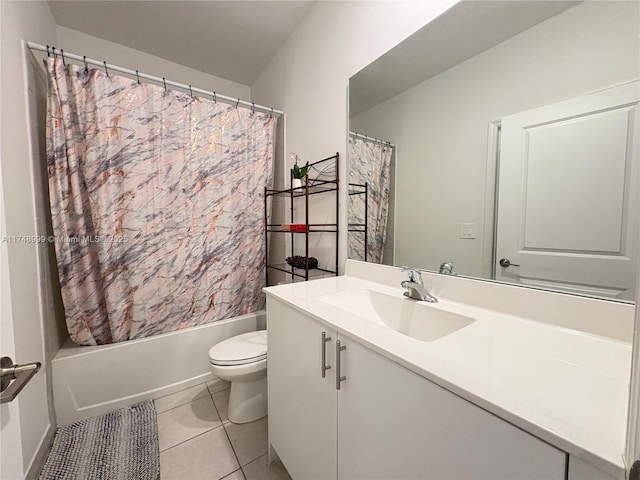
x,y
156,202
370,163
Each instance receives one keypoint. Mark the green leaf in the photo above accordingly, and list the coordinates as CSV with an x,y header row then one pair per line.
x,y
300,173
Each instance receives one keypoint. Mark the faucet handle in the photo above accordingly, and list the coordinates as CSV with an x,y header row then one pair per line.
x,y
414,274
446,268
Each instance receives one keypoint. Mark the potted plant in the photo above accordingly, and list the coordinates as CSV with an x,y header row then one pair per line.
x,y
298,172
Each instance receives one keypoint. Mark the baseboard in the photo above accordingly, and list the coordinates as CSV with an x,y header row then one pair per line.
x,y
41,454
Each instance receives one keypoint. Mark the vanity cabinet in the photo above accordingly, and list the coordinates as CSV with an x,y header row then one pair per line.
x,y
385,421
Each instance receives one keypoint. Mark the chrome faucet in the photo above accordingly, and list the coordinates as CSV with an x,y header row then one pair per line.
x,y
446,268
415,287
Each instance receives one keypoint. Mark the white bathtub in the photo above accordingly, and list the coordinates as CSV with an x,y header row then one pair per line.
x,y
90,381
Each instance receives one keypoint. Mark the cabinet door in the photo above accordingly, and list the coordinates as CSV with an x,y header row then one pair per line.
x,y
581,470
302,404
395,424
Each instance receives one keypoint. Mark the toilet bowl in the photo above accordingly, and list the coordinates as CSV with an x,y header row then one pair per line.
x,y
242,360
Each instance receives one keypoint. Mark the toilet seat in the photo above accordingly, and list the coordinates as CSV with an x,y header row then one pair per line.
x,y
242,349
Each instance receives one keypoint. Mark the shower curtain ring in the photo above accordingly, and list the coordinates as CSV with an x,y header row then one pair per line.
x,y
48,53
190,91
138,77
164,81
271,112
62,53
253,107
55,55
105,68
86,68
237,103
215,100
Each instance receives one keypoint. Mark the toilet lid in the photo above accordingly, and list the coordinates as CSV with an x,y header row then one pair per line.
x,y
246,348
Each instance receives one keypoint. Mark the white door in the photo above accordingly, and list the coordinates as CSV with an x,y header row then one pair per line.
x,y
568,195
11,465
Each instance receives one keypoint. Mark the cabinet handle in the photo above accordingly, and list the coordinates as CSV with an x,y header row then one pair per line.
x,y
339,378
325,367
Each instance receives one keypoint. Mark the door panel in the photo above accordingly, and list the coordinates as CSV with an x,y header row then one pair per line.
x,y
10,434
394,424
302,404
568,195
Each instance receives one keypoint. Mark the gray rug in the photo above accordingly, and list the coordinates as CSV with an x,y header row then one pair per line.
x,y
121,445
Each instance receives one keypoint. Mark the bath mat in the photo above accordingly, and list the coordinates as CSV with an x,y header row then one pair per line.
x,y
121,445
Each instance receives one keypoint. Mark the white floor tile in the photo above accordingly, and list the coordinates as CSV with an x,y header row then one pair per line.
x,y
237,475
260,469
249,440
221,399
181,398
186,421
206,457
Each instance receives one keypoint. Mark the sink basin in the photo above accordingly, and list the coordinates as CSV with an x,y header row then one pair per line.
x,y
419,320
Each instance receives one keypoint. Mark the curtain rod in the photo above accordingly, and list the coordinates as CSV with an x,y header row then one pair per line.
x,y
215,96
367,138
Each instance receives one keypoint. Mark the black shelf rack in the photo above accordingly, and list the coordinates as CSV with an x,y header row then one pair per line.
x,y
323,178
361,189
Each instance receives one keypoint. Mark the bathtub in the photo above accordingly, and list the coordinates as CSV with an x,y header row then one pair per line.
x,y
90,381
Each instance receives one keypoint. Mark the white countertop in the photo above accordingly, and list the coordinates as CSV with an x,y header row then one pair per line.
x,y
566,387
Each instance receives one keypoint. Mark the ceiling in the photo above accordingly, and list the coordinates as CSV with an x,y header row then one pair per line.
x,y
465,30
230,39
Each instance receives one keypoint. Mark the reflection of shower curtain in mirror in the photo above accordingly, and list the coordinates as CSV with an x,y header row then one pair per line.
x,y
156,205
370,163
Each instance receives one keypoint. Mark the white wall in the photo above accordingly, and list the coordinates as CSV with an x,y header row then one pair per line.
x,y
114,53
440,125
308,77
29,419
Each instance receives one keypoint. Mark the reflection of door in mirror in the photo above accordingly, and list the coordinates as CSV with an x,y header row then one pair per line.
x,y
369,218
438,98
568,190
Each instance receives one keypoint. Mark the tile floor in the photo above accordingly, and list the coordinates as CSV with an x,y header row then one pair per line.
x,y
198,442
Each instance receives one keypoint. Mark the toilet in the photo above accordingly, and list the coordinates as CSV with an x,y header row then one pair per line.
x,y
242,360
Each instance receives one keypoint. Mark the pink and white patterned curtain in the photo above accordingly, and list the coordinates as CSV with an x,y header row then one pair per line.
x,y
370,163
157,205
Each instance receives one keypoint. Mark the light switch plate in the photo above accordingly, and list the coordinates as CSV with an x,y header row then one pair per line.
x,y
468,230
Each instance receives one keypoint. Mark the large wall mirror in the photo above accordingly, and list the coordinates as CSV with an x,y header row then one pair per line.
x,y
503,137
